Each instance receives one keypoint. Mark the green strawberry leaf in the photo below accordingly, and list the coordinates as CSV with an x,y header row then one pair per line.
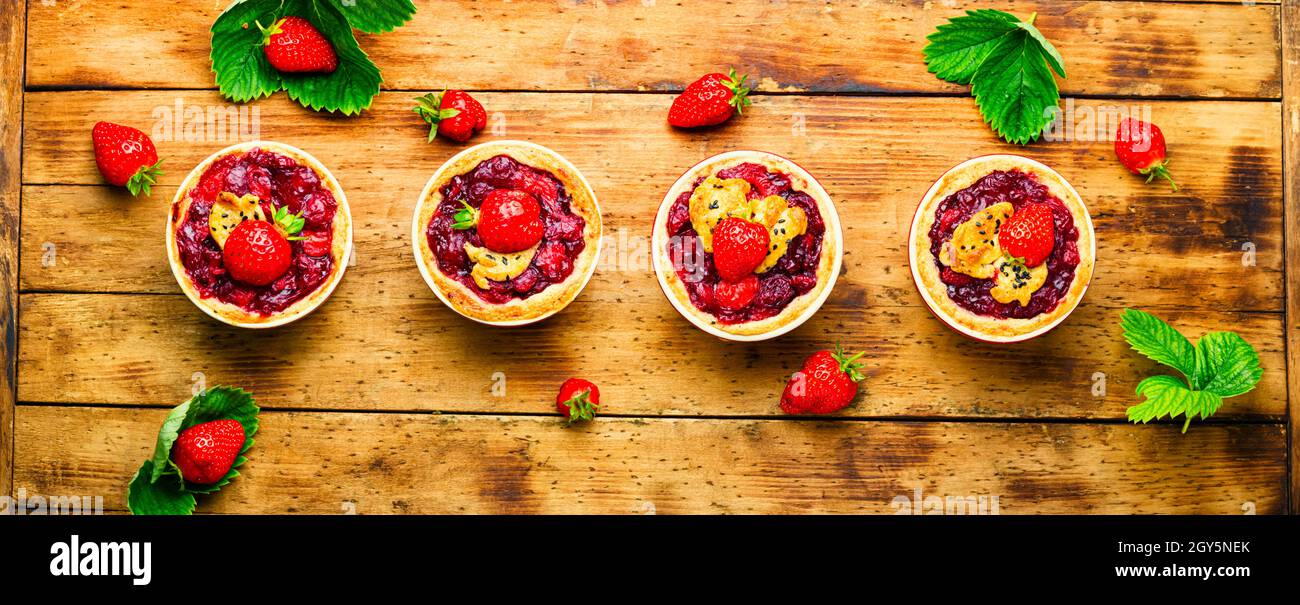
x,y
376,16
217,403
1169,396
241,68
350,88
243,73
1153,337
1049,52
958,47
1231,365
1015,89
1221,365
145,497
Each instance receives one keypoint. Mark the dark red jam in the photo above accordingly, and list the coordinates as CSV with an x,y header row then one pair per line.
x,y
1020,189
277,181
795,273
561,244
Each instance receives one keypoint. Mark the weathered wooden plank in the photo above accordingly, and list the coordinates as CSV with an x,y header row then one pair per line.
x,y
1291,121
1113,48
12,35
1229,154
372,348
418,463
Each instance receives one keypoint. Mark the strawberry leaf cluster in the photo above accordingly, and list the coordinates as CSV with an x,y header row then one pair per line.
x,y
1218,366
1009,65
158,488
244,74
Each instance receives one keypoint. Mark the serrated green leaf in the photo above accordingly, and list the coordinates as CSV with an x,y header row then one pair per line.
x,y
957,48
171,428
376,16
1050,53
242,71
1230,364
1014,88
1153,337
144,497
350,88
1167,396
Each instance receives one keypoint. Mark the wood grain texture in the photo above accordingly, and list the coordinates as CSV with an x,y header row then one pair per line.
x,y
1291,185
369,350
12,46
420,463
1112,48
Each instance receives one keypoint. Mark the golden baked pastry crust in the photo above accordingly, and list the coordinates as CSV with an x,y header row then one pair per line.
x,y
232,314
935,292
538,306
803,306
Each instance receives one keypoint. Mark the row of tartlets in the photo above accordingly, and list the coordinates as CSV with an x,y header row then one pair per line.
x,y
747,245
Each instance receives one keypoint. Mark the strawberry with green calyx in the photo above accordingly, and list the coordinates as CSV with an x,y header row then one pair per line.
x,y
126,157
827,383
508,221
193,452
451,113
293,45
1140,147
710,100
578,400
257,252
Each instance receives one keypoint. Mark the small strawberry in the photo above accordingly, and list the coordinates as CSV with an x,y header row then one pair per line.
x,y
1029,234
508,221
1141,148
736,295
451,113
205,452
258,252
710,100
578,400
827,383
293,45
126,157
739,247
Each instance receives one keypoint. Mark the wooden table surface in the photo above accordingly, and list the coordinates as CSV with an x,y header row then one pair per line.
x,y
382,401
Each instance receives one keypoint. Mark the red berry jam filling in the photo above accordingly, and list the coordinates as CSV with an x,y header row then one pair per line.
x,y
277,181
561,244
1020,189
794,275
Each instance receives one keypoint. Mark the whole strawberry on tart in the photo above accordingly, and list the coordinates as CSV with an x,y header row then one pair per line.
x,y
747,245
259,234
1002,248
507,233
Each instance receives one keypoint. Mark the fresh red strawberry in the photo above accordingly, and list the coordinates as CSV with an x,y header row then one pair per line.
x,y
257,253
508,221
1141,148
827,383
739,247
1030,234
293,45
205,452
451,113
736,295
578,400
710,100
126,157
